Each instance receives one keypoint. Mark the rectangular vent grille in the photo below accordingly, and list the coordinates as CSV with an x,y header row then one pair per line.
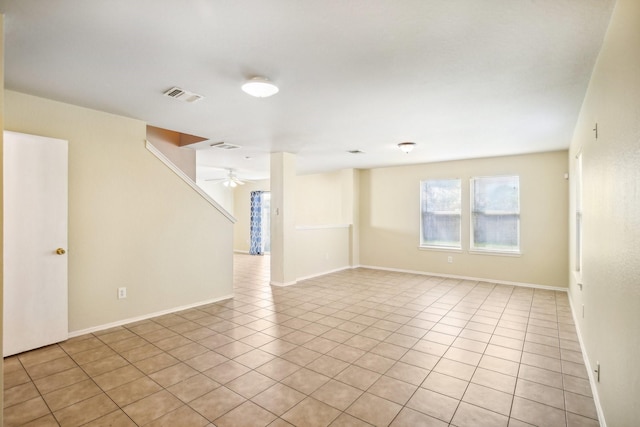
x,y
183,95
174,93
224,146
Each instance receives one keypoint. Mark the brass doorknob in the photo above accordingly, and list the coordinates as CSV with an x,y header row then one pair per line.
x,y
60,251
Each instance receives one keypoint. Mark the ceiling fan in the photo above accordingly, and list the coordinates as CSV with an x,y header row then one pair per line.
x,y
231,180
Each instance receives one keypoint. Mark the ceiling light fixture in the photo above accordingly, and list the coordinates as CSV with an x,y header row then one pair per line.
x,y
260,87
407,146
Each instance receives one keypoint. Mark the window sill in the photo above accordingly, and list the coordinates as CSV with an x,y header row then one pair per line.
x,y
439,249
495,253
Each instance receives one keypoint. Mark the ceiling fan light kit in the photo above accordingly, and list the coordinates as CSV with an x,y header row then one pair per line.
x,y
229,181
260,87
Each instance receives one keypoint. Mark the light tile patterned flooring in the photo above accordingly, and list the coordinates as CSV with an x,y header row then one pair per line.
x,y
354,348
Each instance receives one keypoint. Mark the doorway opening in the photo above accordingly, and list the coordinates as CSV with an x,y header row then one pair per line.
x,y
260,224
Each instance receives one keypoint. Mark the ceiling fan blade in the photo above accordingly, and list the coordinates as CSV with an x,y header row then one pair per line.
x,y
231,180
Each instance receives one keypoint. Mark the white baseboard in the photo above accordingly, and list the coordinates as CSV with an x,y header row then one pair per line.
x,y
145,316
478,279
324,273
426,273
587,364
281,284
238,251
300,279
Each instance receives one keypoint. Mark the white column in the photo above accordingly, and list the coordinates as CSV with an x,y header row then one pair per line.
x,y
350,179
283,226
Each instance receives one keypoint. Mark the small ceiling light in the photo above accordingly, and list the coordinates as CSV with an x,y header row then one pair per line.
x,y
407,146
260,87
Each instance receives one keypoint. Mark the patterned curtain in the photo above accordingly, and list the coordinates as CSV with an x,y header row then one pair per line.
x,y
256,223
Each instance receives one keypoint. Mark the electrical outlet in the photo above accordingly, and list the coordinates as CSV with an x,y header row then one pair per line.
x,y
450,259
122,293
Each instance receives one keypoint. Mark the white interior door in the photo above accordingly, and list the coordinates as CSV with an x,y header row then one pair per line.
x,y
35,242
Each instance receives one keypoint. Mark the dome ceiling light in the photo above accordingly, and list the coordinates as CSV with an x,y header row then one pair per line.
x,y
407,146
260,87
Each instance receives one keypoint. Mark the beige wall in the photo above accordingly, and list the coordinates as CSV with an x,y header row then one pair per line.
x,y
325,217
327,198
283,217
132,221
1,205
222,195
168,143
319,199
326,220
320,250
390,219
610,328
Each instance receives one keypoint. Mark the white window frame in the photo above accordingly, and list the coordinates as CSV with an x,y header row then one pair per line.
x,y
472,210
578,218
431,245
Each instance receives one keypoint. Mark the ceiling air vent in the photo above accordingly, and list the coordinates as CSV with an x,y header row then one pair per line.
x,y
224,146
183,95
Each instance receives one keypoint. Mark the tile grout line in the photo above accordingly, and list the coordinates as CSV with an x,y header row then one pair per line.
x,y
374,298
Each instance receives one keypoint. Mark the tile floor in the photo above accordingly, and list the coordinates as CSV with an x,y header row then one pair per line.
x,y
354,348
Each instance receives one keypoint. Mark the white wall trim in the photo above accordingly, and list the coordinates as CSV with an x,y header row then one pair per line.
x,y
587,364
312,276
283,285
238,251
146,316
440,249
164,159
479,279
321,227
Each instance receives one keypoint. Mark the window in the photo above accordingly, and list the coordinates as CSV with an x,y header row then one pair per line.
x,y
578,190
495,214
440,213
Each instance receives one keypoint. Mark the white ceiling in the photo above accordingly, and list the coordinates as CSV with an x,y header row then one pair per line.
x,y
461,78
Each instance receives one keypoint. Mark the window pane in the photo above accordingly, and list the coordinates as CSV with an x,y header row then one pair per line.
x,y
440,219
441,230
495,231
443,195
495,217
496,194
